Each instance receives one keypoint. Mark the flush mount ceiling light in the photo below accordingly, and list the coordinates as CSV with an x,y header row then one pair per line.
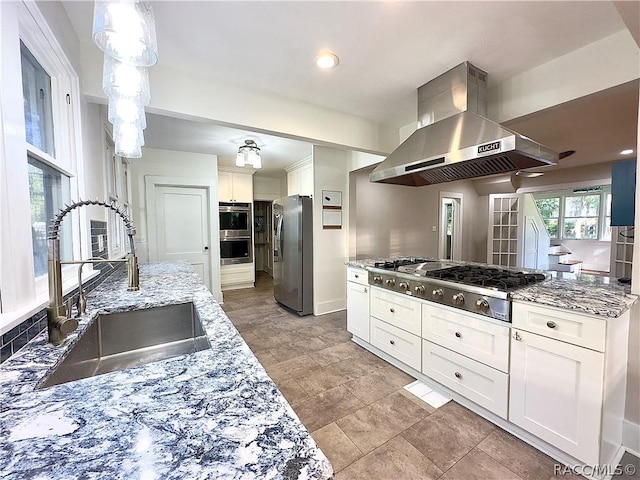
x,y
628,151
249,154
327,60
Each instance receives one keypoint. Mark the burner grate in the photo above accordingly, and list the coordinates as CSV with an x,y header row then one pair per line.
x,y
491,277
394,264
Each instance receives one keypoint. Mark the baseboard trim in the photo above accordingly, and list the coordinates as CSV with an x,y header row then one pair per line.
x,y
631,437
331,306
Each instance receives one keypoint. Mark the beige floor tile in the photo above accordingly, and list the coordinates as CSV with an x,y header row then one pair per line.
x,y
448,434
477,465
395,460
291,368
339,352
340,451
287,352
395,376
326,407
372,426
265,358
517,456
293,392
322,379
370,388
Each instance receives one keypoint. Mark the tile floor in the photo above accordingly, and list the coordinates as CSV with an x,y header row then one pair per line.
x,y
354,405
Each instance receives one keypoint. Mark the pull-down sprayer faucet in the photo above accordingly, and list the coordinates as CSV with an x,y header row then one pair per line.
x,y
59,320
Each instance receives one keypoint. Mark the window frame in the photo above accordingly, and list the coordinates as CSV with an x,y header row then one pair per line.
x,y
22,292
562,195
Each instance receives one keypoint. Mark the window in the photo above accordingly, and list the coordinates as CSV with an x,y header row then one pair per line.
x,y
118,187
583,214
48,189
38,160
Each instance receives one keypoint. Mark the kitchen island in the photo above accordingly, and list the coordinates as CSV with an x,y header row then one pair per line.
x,y
209,414
543,358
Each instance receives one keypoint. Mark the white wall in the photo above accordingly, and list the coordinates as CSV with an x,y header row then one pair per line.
x,y
174,164
399,220
187,93
330,249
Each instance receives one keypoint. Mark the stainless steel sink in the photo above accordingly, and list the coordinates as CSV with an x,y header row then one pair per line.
x,y
117,341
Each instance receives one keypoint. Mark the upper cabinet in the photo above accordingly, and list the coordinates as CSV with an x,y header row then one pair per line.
x,y
235,187
623,193
300,178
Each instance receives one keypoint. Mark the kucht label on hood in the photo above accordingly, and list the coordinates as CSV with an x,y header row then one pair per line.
x,y
489,148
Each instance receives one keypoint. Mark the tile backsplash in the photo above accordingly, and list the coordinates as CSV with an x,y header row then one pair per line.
x,y
18,336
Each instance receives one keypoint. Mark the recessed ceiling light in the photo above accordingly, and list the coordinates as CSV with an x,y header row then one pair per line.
x,y
327,60
628,151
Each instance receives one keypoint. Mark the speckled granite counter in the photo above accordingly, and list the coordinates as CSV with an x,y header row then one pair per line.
x,y
579,292
211,414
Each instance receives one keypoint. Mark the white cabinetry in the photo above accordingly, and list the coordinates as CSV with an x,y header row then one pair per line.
x,y
467,353
358,303
300,178
567,385
235,187
396,326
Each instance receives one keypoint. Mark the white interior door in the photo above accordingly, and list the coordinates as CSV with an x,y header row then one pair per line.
x,y
182,227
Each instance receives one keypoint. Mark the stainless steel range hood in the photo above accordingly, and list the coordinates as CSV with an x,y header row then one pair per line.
x,y
455,140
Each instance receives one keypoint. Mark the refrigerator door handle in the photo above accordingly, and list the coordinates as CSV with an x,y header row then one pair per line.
x,y
277,243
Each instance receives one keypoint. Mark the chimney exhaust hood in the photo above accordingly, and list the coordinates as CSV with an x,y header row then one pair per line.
x,y
455,140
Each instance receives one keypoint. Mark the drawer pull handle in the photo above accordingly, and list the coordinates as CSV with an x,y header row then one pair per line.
x,y
458,335
516,336
458,375
551,324
357,276
392,342
392,310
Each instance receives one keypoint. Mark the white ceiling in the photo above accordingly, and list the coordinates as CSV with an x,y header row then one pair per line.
x,y
387,49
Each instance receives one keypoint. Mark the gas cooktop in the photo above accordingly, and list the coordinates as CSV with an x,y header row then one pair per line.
x,y
480,289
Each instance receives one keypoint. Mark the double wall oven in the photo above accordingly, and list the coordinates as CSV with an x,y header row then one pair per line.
x,y
236,239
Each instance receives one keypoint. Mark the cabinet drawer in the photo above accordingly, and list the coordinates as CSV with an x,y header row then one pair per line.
x,y
396,342
467,335
481,384
399,310
576,328
357,275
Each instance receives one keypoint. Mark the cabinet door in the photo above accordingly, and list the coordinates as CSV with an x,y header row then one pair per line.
x,y
242,188
306,179
556,393
358,310
225,188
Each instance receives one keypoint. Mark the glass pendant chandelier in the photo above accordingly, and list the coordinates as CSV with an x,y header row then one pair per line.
x,y
125,31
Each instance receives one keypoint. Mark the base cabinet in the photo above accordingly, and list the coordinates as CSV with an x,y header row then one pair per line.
x,y
554,377
233,277
358,310
556,392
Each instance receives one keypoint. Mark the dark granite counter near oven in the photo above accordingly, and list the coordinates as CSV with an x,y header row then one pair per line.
x,y
210,414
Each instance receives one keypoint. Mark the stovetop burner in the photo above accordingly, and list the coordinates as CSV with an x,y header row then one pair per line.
x,y
501,279
394,264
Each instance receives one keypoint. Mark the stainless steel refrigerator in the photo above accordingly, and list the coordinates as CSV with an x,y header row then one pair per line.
x,y
293,253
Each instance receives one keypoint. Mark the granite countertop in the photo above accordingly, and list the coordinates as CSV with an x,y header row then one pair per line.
x,y
586,293
210,414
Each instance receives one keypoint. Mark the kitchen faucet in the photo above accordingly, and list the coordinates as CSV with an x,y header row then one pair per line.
x,y
59,321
